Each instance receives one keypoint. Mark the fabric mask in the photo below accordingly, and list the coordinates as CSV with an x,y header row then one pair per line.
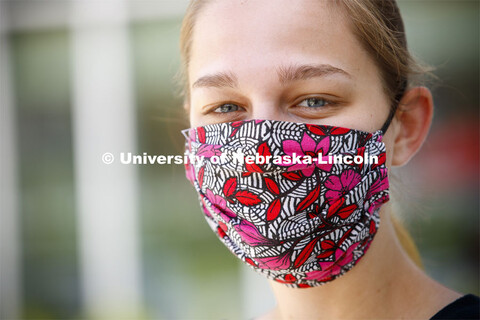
x,y
301,224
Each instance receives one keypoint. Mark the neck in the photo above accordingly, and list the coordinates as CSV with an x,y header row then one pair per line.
x,y
385,274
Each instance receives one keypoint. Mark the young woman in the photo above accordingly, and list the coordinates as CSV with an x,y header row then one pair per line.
x,y
310,79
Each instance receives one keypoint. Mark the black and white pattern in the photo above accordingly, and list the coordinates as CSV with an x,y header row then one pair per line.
x,y
301,224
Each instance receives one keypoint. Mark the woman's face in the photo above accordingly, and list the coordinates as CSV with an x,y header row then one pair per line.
x,y
282,60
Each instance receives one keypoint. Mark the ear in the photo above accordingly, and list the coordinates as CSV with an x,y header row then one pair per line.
x,y
414,118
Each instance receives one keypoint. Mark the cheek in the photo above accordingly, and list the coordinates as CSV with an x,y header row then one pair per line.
x,y
389,140
193,115
193,118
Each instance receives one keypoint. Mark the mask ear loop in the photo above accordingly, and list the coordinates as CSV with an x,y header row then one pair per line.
x,y
394,108
186,134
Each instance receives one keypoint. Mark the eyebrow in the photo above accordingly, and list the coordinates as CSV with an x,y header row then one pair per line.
x,y
307,71
285,75
222,79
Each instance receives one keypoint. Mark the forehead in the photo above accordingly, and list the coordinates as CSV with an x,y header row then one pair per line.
x,y
263,34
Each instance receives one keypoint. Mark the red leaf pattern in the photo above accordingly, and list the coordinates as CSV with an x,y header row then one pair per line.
x,y
294,176
274,209
263,150
327,244
305,253
247,198
201,135
272,186
301,225
229,187
345,212
252,167
309,199
334,207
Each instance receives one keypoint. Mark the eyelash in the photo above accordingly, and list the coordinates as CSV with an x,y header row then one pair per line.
x,y
223,105
326,103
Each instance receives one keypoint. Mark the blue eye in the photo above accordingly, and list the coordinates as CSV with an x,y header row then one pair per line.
x,y
313,103
227,107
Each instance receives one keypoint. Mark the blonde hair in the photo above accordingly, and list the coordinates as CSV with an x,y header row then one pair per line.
x,y
379,27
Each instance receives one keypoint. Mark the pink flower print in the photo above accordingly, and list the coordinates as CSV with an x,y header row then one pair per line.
x,y
307,147
250,235
209,150
333,268
190,172
379,185
338,187
280,262
205,209
220,206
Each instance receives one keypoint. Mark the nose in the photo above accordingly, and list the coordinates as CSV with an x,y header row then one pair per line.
x,y
267,111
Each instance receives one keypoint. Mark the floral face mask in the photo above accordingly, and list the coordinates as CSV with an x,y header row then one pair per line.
x,y
297,202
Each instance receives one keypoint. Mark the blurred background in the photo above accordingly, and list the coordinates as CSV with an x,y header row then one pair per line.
x,y
81,239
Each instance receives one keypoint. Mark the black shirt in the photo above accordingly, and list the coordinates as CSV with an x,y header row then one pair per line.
x,y
466,307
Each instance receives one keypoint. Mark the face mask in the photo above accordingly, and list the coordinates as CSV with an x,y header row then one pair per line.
x,y
304,217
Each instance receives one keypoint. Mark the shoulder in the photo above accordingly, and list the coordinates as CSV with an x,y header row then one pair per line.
x,y
466,307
